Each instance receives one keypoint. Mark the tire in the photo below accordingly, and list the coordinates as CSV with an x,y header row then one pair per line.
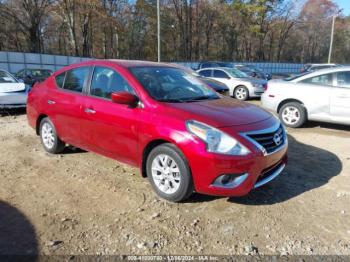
x,y
49,138
179,184
241,93
293,114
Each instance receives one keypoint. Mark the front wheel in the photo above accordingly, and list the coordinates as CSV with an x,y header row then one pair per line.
x,y
169,174
293,114
49,138
241,93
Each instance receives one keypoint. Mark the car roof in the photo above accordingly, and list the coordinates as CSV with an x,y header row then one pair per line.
x,y
136,63
321,64
215,68
324,71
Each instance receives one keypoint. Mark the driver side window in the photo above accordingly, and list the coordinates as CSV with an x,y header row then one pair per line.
x,y
220,74
106,81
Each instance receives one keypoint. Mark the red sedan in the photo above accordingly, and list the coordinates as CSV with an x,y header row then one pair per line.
x,y
181,134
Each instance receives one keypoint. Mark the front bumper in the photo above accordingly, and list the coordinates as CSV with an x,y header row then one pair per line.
x,y
256,91
259,167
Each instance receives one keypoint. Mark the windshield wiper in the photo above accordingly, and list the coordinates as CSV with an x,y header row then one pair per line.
x,y
170,100
199,98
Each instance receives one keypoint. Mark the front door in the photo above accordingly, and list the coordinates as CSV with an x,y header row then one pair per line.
x,y
340,98
109,128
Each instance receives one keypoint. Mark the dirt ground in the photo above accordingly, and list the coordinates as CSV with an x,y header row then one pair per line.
x,y
82,203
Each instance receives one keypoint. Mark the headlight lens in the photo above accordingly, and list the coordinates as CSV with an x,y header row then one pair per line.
x,y
217,141
258,85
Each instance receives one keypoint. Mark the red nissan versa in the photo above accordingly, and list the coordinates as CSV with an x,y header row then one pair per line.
x,y
181,134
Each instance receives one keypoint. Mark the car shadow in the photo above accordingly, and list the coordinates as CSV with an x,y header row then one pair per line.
x,y
313,124
17,234
308,168
72,150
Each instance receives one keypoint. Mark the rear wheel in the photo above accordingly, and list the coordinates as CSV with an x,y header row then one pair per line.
x,y
293,114
241,93
49,139
169,174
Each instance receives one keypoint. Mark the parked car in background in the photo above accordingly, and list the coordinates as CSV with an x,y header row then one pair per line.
x,y
322,95
31,76
219,87
314,67
253,71
13,93
241,86
181,134
211,64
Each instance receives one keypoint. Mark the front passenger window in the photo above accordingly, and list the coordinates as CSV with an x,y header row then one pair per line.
x,y
106,81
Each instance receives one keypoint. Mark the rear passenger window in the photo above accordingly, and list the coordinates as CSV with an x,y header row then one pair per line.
x,y
60,79
106,81
75,79
322,80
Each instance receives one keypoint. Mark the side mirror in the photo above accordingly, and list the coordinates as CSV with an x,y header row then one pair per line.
x,y
125,98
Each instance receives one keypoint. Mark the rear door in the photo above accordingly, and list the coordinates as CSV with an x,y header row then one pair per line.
x,y
340,97
315,93
65,103
109,128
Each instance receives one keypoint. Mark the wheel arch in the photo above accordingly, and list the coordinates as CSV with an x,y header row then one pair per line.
x,y
147,149
38,121
289,100
241,85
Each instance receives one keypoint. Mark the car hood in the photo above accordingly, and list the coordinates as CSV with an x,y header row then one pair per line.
x,y
221,112
11,87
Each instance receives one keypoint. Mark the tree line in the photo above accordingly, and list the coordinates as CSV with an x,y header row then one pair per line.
x,y
191,30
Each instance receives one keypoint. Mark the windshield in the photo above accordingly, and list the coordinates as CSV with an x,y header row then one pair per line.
x,y
236,73
6,78
170,84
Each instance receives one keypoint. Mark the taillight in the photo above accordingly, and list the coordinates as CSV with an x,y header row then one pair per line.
x,y
265,86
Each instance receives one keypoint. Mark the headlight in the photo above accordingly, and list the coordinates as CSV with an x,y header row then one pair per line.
x,y
216,141
257,85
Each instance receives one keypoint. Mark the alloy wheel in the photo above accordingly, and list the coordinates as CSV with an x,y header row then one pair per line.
x,y
241,93
291,115
166,174
47,134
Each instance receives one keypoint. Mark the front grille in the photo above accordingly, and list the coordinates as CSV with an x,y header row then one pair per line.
x,y
271,141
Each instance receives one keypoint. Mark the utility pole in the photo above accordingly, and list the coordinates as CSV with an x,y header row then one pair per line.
x,y
331,44
158,29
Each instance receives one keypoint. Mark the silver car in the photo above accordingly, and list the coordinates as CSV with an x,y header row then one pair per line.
x,y
241,86
322,95
13,93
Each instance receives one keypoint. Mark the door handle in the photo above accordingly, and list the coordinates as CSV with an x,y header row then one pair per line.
x,y
89,111
343,96
51,102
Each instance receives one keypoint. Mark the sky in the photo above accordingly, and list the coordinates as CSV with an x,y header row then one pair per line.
x,y
344,4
